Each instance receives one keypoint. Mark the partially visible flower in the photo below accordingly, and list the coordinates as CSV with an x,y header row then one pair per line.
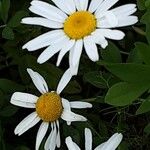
x,y
111,144
49,108
75,24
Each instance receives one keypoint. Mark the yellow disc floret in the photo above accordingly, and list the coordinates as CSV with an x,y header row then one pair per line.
x,y
49,107
80,24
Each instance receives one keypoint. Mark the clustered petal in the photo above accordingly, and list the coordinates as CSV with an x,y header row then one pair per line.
x,y
111,144
54,17
64,20
29,101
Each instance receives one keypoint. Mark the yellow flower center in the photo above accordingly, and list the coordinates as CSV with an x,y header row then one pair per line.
x,y
49,107
80,24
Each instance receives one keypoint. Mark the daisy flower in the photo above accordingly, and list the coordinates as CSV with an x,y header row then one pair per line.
x,y
76,25
49,108
111,144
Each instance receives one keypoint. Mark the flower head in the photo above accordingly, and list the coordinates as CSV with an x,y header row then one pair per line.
x,y
111,144
49,108
77,24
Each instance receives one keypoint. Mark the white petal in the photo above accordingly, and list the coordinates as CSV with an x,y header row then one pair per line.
x,y
66,47
81,5
70,116
44,14
109,19
122,21
70,144
48,11
111,34
130,20
43,40
25,122
128,13
52,50
64,81
88,139
77,104
42,22
48,53
91,49
100,147
66,104
33,123
77,52
112,19
94,5
84,4
105,6
41,133
77,4
76,146
113,142
23,100
104,23
99,39
46,146
23,104
124,10
71,5
51,141
38,81
73,69
65,5
58,142
24,97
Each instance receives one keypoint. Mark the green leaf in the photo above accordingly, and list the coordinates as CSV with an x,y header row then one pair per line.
x,y
8,86
141,4
146,20
144,108
147,3
4,9
123,93
144,51
111,54
16,19
8,111
96,79
134,57
8,33
73,87
22,148
133,73
147,129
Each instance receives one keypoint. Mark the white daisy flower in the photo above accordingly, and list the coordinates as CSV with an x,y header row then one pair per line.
x,y
75,24
111,144
49,108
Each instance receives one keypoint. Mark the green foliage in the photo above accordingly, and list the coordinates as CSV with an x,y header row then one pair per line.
x,y
118,86
123,93
111,54
96,79
147,129
144,108
4,9
8,33
146,20
16,19
133,73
